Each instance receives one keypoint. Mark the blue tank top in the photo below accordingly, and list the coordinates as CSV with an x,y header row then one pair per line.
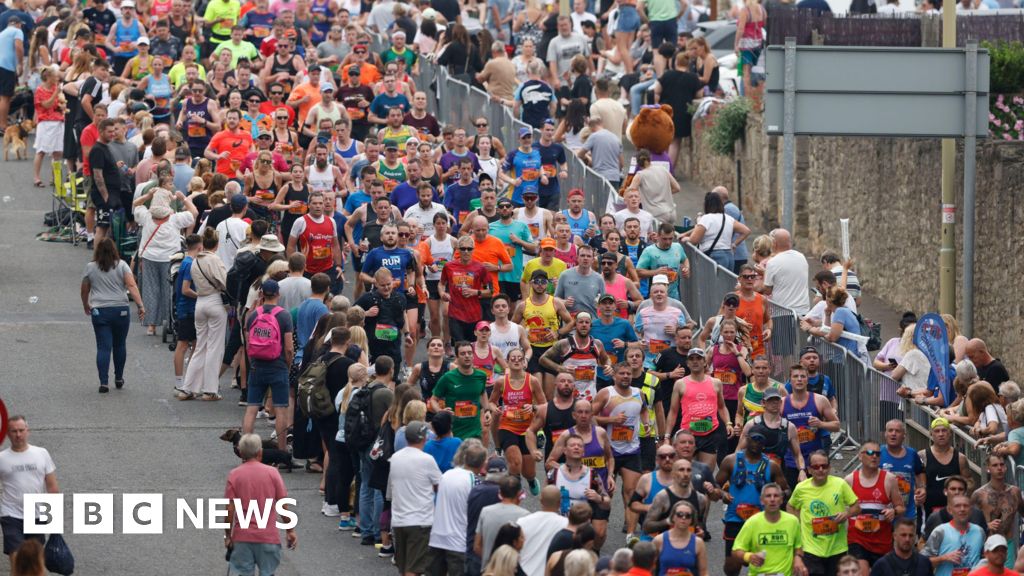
x,y
906,469
745,485
348,153
322,8
810,439
655,488
577,225
127,33
593,455
672,559
160,90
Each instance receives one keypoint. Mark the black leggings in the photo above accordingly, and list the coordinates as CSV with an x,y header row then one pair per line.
x,y
339,467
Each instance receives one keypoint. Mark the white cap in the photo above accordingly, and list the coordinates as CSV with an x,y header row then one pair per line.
x,y
128,4
142,39
995,541
659,279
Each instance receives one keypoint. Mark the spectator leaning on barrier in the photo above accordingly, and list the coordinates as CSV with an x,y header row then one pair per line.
x,y
785,276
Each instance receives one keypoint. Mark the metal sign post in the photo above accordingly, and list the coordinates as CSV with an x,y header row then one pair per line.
x,y
788,137
970,153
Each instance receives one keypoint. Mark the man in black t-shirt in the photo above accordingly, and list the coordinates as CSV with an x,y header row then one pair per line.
x,y
91,94
100,18
904,560
106,183
990,369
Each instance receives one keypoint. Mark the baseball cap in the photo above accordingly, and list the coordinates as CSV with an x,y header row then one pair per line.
x,y
390,144
659,279
939,422
524,132
530,192
264,132
353,70
538,274
181,152
605,297
326,87
546,243
497,465
609,256
995,541
576,192
128,4
416,431
756,436
142,39
270,287
772,392
808,350
238,202
483,325
505,202
731,299
695,352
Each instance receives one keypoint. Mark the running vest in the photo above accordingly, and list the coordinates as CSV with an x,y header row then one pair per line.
x,y
593,454
429,379
577,225
126,35
809,438
348,154
726,368
317,241
753,402
625,437
556,422
617,288
321,180
262,196
537,318
277,67
197,135
776,440
677,561
536,225
745,483
573,491
699,406
399,135
867,529
583,362
485,364
514,418
656,487
752,312
392,176
372,228
442,252
567,256
505,341
935,474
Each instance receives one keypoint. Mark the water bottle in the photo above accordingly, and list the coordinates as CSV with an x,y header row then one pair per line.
x,y
565,500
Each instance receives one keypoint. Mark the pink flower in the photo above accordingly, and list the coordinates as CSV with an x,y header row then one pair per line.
x,y
999,99
1019,125
1006,136
996,122
991,116
1018,100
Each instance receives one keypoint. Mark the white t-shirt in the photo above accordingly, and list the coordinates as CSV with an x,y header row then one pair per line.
x,y
917,366
425,216
645,217
992,413
577,27
712,223
294,290
414,473
538,529
818,311
231,233
166,240
450,521
23,473
786,275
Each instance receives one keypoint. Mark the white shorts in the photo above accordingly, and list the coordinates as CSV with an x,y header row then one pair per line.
x,y
50,137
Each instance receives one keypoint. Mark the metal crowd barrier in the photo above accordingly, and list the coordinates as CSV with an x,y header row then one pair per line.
x,y
867,398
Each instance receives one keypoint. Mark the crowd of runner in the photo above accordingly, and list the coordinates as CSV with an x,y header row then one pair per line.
x,y
494,346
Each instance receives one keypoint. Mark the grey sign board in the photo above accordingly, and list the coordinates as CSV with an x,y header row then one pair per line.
x,y
873,91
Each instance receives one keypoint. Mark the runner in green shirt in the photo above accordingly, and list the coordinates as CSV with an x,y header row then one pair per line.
x,y
824,504
463,393
770,541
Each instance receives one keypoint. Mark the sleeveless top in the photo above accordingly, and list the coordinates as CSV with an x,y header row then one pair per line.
x,y
536,225
429,379
399,135
126,34
776,440
392,176
933,471
649,388
317,240
289,218
809,438
593,454
556,422
726,368
867,529
577,225
514,418
277,67
745,483
321,180
505,341
625,437
753,36
677,561
752,312
442,252
283,147
537,318
656,487
262,193
348,154
753,402
372,228
583,362
322,113
699,406
160,90
197,135
161,8
573,490
486,364
567,256
617,288
324,9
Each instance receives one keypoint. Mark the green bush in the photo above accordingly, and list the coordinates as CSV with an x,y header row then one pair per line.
x,y
730,122
1007,76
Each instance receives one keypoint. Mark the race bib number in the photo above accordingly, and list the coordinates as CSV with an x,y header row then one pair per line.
x,y
555,434
672,275
514,414
465,409
511,249
726,377
321,252
677,572
298,210
534,229
961,571
386,332
537,335
356,113
197,131
530,174
549,170
584,373
867,523
702,426
903,484
745,511
622,433
824,526
593,462
462,216
657,346
805,435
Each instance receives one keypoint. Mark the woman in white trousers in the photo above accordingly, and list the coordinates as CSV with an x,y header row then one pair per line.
x,y
208,279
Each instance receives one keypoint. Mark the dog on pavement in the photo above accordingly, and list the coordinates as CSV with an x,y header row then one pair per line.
x,y
14,140
272,455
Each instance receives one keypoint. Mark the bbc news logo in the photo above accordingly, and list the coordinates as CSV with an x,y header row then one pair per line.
x,y
144,513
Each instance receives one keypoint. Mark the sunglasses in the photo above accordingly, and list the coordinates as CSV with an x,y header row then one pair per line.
x,y
281,117
403,234
872,452
465,248
276,93
684,515
254,101
481,125
748,276
666,456
539,281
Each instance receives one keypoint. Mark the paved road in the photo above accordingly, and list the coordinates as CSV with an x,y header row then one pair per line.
x,y
140,439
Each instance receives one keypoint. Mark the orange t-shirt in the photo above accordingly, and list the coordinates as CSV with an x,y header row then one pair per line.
x,y
368,74
491,250
301,91
236,144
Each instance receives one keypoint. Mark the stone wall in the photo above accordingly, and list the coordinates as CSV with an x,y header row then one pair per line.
x,y
890,190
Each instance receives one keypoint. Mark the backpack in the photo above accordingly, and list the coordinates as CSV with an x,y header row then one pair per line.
x,y
265,335
241,275
313,396
360,429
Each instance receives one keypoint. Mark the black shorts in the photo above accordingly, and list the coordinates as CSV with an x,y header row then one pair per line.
x,y
512,290
459,330
861,553
648,449
432,293
185,328
357,265
819,566
598,513
411,302
14,534
8,82
627,462
534,366
709,444
507,439
729,533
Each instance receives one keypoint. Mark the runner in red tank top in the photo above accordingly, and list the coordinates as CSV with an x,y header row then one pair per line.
x,y
520,396
870,532
753,309
316,235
